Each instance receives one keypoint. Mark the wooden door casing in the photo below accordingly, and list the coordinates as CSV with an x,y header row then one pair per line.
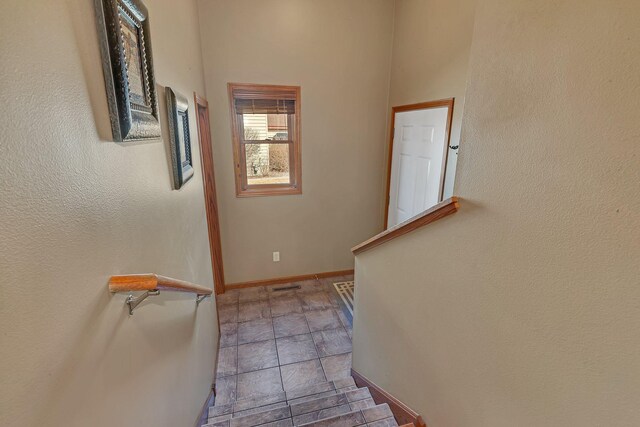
x,y
449,103
209,186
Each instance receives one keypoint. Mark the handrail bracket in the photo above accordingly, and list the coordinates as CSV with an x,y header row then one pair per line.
x,y
152,284
133,302
201,297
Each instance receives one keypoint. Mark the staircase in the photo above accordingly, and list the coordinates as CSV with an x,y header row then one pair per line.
x,y
328,404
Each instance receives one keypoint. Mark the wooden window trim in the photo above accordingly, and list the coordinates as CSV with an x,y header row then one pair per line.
x,y
243,189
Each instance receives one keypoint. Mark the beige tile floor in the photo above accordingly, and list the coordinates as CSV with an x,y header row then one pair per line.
x,y
272,341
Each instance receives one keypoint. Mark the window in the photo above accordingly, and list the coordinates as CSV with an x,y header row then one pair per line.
x,y
266,139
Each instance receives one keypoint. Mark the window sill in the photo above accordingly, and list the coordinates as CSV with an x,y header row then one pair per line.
x,y
277,191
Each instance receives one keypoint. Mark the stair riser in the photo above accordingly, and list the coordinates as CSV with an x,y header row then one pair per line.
x,y
321,414
261,417
319,404
330,404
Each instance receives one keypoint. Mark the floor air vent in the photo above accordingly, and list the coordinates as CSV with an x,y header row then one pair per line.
x,y
286,288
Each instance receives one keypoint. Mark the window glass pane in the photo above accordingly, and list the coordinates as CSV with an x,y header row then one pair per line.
x,y
264,127
267,163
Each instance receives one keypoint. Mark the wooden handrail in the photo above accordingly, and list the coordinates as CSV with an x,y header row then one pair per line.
x,y
440,210
153,282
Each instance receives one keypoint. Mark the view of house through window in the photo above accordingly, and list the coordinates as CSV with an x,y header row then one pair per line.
x,y
267,163
266,139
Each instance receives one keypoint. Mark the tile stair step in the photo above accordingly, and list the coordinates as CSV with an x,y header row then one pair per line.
x,y
277,416
265,401
319,404
258,409
312,397
321,414
358,394
218,419
287,422
219,410
304,394
350,419
280,423
340,384
247,403
258,400
310,390
302,412
378,416
377,413
242,413
291,395
344,383
325,402
362,404
259,418
330,404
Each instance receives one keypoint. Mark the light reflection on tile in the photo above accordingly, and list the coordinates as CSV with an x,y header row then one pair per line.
x,y
266,381
302,374
296,348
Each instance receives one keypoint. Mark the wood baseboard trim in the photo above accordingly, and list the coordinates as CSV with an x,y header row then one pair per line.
x,y
289,279
404,414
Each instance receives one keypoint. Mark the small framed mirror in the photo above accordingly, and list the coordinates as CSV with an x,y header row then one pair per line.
x,y
179,136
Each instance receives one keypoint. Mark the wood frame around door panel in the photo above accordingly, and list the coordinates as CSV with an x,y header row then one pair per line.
x,y
209,186
447,137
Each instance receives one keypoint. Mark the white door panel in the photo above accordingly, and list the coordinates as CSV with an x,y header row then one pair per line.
x,y
419,148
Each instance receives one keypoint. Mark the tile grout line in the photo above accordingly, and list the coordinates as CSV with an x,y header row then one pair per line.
x,y
315,346
275,343
233,408
300,298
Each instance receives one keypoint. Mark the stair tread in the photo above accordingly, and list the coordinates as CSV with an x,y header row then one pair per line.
x,y
344,382
259,409
353,418
325,402
218,418
217,410
258,400
249,402
318,404
358,394
330,404
362,404
376,413
312,397
280,423
356,418
263,417
321,414
309,390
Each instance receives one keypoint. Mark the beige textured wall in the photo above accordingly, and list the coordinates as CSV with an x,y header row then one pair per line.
x,y
431,44
338,52
522,309
77,208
